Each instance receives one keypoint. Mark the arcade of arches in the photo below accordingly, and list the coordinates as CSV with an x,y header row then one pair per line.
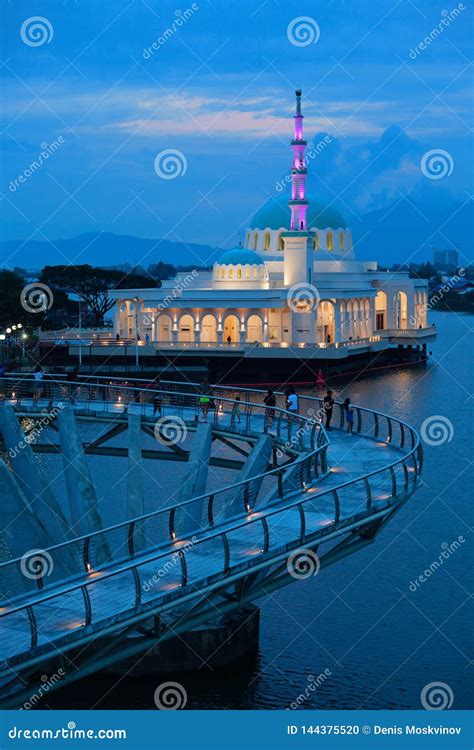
x,y
332,322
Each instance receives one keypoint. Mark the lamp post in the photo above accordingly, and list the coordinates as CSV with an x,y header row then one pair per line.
x,y
80,333
135,302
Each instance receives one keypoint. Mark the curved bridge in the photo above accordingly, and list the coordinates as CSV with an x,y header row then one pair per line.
x,y
135,584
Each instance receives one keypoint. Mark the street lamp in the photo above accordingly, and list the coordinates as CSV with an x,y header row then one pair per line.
x,y
80,334
136,301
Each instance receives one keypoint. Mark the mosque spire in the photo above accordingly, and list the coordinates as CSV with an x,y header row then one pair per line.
x,y
298,202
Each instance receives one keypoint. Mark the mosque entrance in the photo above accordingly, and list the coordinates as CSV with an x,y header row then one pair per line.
x,y
231,330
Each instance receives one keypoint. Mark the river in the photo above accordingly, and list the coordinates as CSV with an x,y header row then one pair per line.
x,y
367,624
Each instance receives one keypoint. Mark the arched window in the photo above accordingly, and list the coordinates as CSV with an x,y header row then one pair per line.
x,y
255,240
341,240
316,241
208,329
329,240
254,329
281,242
239,273
266,241
231,273
247,272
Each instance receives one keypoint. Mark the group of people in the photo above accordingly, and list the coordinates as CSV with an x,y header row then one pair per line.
x,y
328,406
206,401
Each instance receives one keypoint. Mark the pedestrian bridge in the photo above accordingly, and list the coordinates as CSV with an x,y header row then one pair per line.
x,y
303,499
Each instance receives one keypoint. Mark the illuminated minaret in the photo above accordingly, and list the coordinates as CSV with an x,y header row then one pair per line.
x,y
298,203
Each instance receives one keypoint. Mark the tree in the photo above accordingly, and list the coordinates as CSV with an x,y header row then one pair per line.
x,y
11,309
162,270
92,285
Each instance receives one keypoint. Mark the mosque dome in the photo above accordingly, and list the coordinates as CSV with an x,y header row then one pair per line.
x,y
239,256
275,213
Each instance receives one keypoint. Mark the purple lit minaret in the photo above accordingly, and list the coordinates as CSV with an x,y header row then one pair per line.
x,y
298,203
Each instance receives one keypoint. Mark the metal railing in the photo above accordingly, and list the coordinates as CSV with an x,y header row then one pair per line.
x,y
224,412
330,509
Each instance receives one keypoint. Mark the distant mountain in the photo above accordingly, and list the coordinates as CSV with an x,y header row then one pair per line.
x,y
403,233
103,249
407,232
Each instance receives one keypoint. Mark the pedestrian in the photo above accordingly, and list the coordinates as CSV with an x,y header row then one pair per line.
x,y
38,388
236,410
229,340
349,415
292,405
328,404
270,403
147,338
117,337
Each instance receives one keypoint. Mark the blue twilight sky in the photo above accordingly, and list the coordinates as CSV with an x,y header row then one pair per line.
x,y
220,90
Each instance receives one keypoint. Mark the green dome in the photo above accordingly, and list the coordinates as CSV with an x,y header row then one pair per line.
x,y
240,256
275,213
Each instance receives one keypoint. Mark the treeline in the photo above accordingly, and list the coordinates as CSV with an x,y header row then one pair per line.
x,y
71,285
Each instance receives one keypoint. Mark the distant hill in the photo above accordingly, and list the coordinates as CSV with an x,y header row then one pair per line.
x,y
103,249
406,232
403,233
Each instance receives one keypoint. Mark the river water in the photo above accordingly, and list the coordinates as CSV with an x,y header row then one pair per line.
x,y
375,634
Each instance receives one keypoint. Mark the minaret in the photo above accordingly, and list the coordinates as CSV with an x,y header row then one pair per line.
x,y
298,203
297,242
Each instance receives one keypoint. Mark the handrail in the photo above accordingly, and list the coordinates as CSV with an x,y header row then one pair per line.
x,y
123,567
308,458
134,563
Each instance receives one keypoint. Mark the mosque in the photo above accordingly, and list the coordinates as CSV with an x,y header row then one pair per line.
x,y
293,292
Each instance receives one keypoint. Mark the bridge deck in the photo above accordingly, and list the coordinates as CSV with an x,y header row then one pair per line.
x,y
349,457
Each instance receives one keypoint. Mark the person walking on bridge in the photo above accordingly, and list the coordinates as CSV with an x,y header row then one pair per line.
x,y
349,412
270,403
292,405
328,404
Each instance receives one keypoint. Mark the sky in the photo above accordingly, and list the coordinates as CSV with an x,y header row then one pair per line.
x,y
173,121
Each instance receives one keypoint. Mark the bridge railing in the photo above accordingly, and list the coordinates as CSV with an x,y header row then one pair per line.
x,y
222,411
178,570
296,435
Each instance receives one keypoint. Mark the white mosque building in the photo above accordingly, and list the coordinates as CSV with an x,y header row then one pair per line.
x,y
295,284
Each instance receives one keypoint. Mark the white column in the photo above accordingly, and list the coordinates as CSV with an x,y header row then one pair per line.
x,y
337,321
372,316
